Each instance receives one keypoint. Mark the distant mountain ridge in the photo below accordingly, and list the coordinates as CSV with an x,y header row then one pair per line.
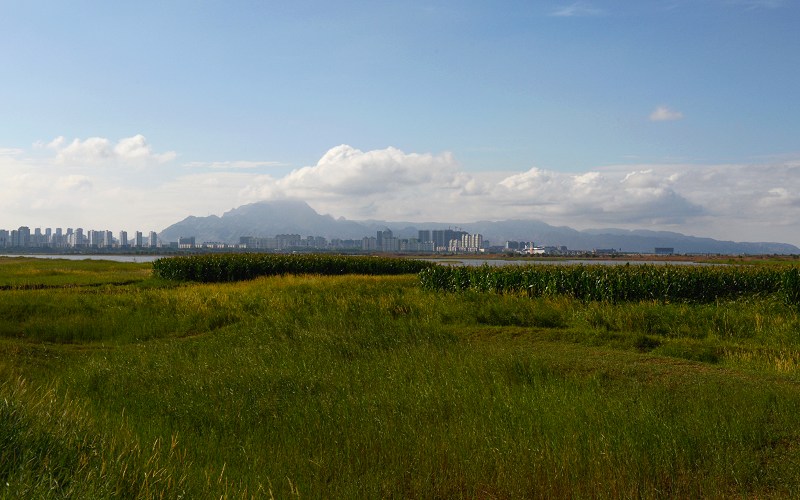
x,y
269,218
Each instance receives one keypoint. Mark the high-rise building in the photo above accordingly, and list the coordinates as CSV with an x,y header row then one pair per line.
x,y
138,240
386,241
472,242
123,239
443,237
76,238
95,238
68,235
369,243
56,238
186,242
24,236
152,240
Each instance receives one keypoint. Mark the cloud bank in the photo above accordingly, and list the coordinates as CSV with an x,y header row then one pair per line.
x,y
75,184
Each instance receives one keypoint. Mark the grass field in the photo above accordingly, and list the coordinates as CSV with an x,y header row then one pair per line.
x,y
117,384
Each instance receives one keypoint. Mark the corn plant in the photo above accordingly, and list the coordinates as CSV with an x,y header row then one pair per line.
x,y
238,267
620,283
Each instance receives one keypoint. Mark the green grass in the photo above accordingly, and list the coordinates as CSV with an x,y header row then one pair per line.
x,y
26,273
365,387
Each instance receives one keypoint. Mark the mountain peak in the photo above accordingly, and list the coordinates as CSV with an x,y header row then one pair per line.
x,y
293,216
287,205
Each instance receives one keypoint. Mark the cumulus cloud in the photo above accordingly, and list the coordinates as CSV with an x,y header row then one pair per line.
x,y
344,170
352,183
99,150
639,196
745,202
390,184
664,114
712,200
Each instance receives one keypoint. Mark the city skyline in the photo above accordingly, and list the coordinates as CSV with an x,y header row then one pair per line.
x,y
513,236
679,116
62,238
428,241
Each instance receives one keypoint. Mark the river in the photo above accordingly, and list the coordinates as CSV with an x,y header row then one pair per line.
x,y
111,257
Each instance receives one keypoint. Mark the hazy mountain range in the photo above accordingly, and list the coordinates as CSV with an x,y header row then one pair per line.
x,y
269,218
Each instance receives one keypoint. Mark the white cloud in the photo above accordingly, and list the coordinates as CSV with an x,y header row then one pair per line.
x,y
92,150
664,114
344,170
578,9
745,202
74,183
99,150
57,143
136,148
358,184
602,197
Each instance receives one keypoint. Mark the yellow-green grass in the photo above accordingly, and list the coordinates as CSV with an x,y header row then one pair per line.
x,y
26,273
342,387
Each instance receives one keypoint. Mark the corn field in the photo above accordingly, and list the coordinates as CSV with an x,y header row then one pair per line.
x,y
238,267
664,283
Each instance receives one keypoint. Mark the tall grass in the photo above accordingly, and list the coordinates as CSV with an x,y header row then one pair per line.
x,y
51,446
364,386
22,273
108,314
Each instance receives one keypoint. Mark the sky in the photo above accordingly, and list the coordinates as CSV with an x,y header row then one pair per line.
x,y
678,115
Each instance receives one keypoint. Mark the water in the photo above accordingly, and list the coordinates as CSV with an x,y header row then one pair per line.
x,y
446,261
570,262
111,257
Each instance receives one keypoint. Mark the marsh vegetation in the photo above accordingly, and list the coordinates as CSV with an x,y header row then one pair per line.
x,y
114,382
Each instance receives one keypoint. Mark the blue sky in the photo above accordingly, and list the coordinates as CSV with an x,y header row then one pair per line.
x,y
181,108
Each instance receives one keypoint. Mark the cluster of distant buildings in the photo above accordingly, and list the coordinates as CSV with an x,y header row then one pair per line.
x,y
74,238
427,241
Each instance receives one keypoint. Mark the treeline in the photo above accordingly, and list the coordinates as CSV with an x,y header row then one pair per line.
x,y
665,283
237,267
